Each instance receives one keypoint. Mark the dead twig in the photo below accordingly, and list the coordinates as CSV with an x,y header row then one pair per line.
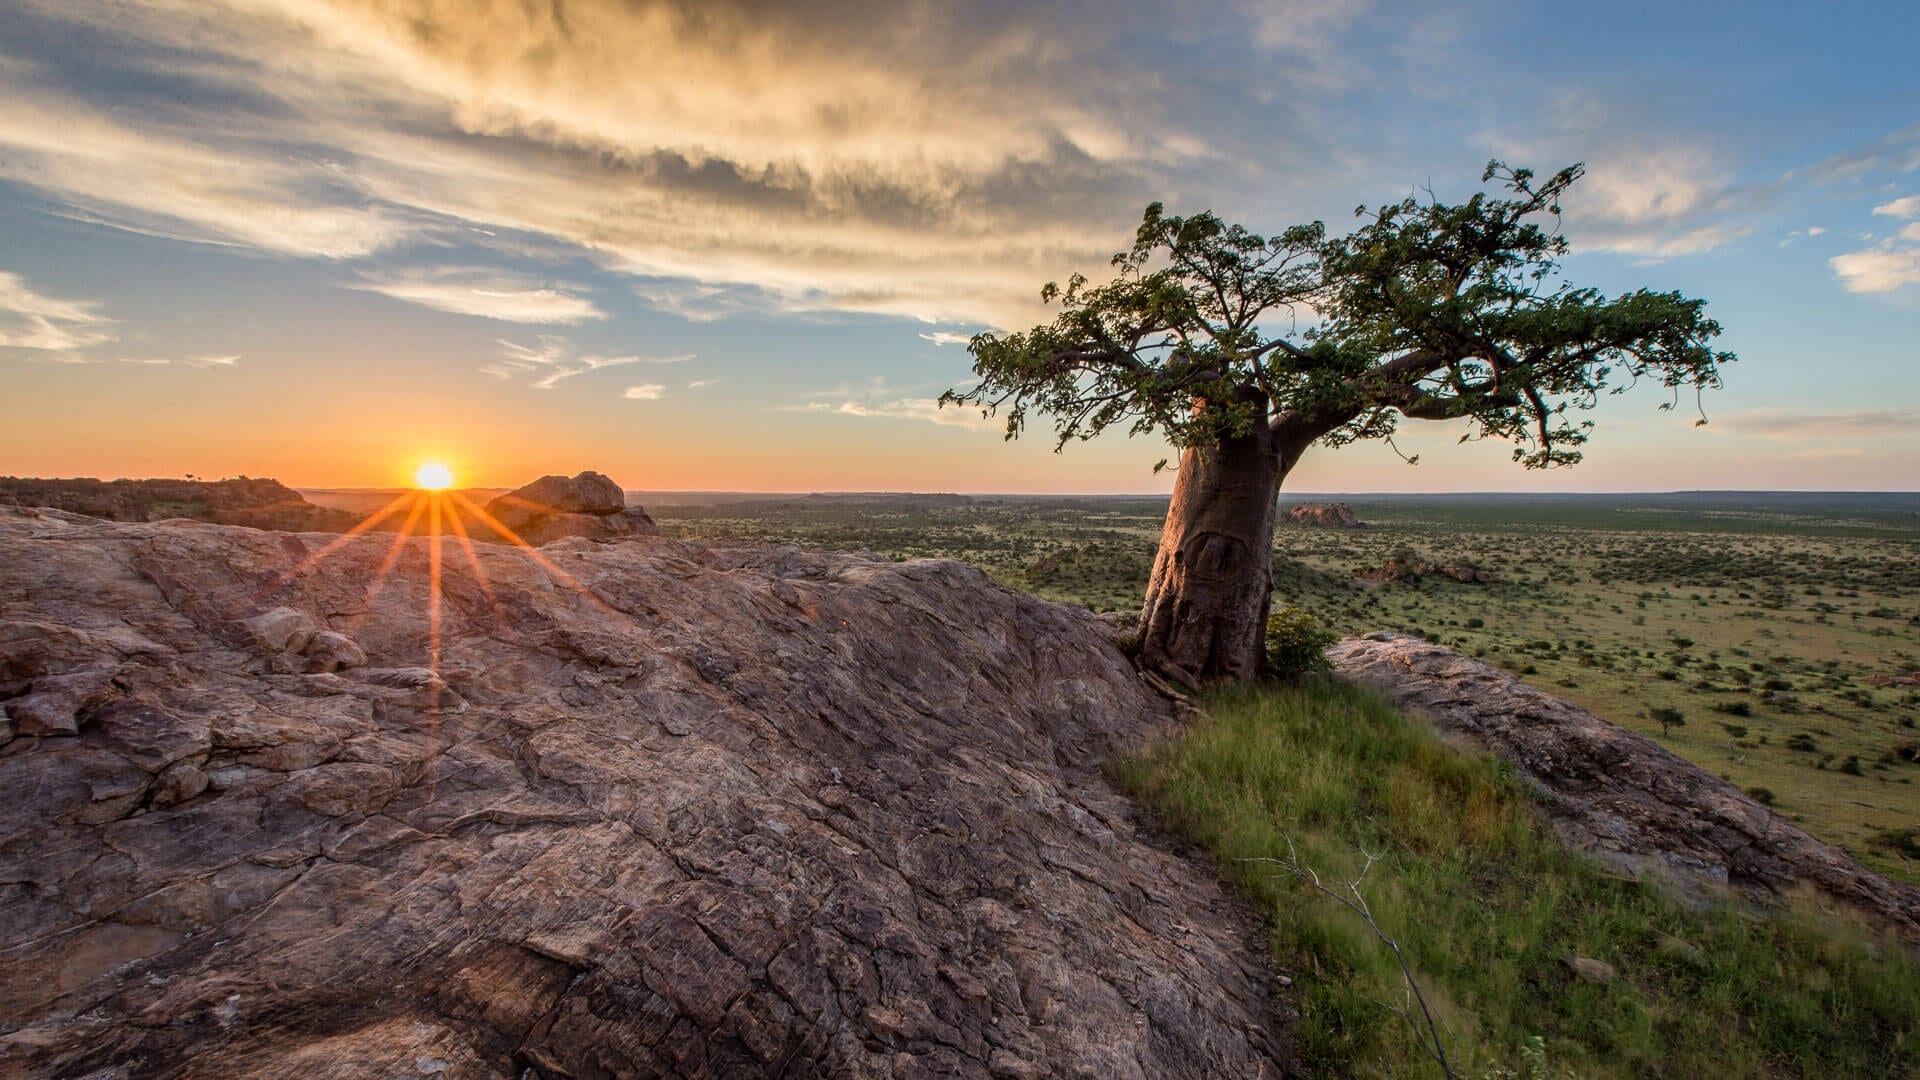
x,y
1355,901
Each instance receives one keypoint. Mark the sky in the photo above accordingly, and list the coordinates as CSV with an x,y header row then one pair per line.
x,y
734,245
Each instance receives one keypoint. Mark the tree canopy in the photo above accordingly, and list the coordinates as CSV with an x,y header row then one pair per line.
x,y
1428,310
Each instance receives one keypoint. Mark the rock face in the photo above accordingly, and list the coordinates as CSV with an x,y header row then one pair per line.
x,y
556,507
659,810
1323,516
1617,795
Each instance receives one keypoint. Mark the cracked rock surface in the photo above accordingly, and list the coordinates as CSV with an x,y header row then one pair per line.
x,y
1618,795
659,810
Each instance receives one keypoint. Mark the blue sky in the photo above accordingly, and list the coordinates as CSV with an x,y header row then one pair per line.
x,y
737,245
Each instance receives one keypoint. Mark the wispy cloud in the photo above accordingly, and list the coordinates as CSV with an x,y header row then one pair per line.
x,y
553,360
645,392
878,401
698,383
1644,199
1859,423
187,361
48,325
1905,207
943,337
486,293
1890,263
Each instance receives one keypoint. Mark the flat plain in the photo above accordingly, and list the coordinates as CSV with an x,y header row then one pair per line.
x,y
1772,638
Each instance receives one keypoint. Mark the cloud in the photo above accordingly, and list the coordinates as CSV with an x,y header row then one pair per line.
x,y
878,401
1892,262
1907,207
189,361
698,383
942,337
645,392
553,360
1816,230
1897,151
485,293
1657,204
45,324
1859,423
1647,200
1883,268
913,159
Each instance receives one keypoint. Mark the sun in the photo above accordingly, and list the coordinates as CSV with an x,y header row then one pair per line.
x,y
433,476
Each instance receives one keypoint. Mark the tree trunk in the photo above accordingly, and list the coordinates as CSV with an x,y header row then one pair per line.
x,y
1212,583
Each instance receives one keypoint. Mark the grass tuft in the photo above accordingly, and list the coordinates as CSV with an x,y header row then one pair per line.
x,y
1486,905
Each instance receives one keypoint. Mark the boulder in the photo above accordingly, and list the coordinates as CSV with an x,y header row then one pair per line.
x,y
553,508
650,810
1619,796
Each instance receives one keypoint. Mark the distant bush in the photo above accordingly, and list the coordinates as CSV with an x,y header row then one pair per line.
x,y
1803,742
1667,717
1733,708
1296,643
1763,796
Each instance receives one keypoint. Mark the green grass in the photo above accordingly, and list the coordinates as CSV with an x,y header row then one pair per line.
x,y
1485,904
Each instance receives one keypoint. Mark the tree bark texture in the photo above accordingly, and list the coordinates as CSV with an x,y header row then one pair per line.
x,y
1212,583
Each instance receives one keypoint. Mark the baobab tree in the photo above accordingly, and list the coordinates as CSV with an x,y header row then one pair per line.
x,y
1244,350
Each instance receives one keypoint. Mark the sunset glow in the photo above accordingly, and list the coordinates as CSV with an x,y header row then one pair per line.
x,y
433,477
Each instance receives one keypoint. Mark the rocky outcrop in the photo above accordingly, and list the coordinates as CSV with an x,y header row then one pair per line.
x,y
1617,795
1323,516
556,507
637,810
257,503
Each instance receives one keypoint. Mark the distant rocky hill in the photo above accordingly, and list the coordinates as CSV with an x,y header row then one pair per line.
x,y
1323,516
659,810
260,504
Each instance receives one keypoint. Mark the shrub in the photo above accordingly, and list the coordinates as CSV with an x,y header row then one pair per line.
x,y
1296,643
1763,796
1667,717
1803,742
